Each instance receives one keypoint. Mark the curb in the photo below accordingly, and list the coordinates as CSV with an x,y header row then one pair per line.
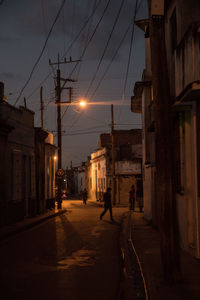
x,y
137,258
133,282
24,227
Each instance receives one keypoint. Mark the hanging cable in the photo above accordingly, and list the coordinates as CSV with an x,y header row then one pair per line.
x,y
42,51
106,46
84,50
83,133
129,56
86,42
72,43
108,67
94,32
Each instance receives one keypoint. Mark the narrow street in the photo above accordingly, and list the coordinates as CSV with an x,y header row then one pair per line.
x,y
72,256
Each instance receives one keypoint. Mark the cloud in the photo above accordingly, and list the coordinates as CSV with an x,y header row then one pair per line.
x,y
33,19
99,41
9,39
9,75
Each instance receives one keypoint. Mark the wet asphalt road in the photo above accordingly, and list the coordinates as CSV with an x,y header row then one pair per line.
x,y
73,256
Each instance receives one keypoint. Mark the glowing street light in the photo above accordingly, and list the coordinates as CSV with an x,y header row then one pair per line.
x,y
82,103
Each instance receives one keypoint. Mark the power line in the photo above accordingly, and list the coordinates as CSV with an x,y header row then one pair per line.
x,y
129,55
106,46
42,51
104,74
82,28
74,40
83,133
113,57
94,32
86,46
86,129
87,39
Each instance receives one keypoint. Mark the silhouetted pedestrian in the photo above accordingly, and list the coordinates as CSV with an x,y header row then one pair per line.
x,y
107,204
132,197
85,196
139,198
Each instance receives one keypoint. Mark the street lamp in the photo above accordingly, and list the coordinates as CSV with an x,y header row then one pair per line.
x,y
82,103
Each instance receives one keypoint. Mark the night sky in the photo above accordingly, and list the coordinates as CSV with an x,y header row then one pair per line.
x,y
25,25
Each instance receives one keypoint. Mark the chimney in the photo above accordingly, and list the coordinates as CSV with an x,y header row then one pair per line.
x,y
1,91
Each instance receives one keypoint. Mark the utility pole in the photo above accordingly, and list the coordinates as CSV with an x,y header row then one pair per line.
x,y
42,107
113,156
25,103
60,171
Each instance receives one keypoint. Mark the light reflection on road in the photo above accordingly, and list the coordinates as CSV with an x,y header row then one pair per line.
x,y
80,258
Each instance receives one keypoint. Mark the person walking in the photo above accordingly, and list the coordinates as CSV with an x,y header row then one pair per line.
x,y
107,204
84,195
132,197
139,198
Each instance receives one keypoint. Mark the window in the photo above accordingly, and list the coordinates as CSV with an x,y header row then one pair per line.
x,y
125,152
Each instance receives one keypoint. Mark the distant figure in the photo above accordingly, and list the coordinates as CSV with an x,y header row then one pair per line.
x,y
85,196
107,204
132,197
139,195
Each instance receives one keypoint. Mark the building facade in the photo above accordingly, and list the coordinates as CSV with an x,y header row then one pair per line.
x,y
45,170
128,156
17,167
182,47
142,102
182,31
27,185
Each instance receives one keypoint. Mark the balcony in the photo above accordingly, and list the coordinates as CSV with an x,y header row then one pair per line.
x,y
136,100
187,65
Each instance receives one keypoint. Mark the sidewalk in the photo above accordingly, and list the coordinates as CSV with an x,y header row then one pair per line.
x,y
27,223
146,243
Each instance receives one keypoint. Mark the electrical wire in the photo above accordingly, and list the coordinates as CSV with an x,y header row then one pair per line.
x,y
94,32
86,129
108,67
106,46
84,50
83,133
42,51
87,40
82,28
129,55
44,23
69,48
111,61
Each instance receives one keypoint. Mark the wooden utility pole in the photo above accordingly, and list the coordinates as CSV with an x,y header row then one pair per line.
x,y
165,202
60,171
113,156
25,103
42,107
